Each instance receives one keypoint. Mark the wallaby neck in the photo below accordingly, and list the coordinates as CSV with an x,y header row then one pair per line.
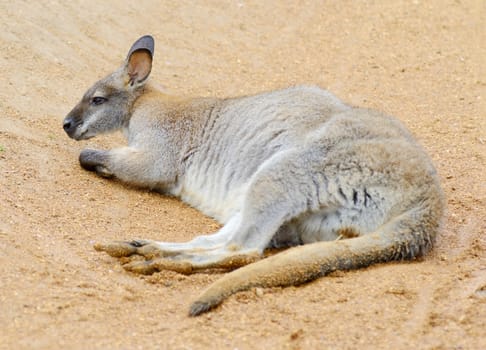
x,y
186,117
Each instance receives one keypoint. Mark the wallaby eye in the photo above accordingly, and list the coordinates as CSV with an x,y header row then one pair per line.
x,y
97,100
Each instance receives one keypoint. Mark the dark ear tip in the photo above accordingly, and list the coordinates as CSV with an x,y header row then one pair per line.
x,y
146,42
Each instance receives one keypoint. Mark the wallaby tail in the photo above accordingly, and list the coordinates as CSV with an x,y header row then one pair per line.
x,y
406,236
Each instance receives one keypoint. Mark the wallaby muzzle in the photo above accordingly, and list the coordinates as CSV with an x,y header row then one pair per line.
x,y
69,126
72,124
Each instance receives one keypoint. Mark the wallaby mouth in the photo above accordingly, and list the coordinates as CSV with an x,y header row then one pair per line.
x,y
74,129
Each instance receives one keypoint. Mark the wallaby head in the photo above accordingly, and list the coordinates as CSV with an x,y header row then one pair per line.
x,y
107,104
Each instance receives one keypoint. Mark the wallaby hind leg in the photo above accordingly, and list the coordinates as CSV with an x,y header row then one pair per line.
x,y
404,237
151,249
277,193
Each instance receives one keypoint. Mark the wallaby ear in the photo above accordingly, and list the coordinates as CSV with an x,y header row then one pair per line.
x,y
139,60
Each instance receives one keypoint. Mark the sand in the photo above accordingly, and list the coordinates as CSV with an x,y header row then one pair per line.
x,y
422,61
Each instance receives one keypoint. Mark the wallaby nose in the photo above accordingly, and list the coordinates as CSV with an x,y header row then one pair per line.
x,y
67,125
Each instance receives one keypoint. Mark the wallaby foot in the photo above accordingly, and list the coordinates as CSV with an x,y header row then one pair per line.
x,y
156,259
119,249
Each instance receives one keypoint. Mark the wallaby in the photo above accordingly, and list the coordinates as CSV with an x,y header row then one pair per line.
x,y
345,187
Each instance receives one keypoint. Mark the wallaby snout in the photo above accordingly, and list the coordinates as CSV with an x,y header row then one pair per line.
x,y
69,125
73,124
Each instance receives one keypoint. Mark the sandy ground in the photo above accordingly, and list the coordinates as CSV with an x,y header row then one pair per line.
x,y
422,61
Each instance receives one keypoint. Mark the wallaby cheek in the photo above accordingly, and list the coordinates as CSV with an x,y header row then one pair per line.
x,y
94,124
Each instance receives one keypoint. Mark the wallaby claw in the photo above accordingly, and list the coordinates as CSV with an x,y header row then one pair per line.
x,y
116,249
138,243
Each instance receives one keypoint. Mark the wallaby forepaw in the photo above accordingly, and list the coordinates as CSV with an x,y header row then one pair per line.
x,y
95,160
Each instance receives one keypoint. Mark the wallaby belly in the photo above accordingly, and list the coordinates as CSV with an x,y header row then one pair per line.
x,y
241,135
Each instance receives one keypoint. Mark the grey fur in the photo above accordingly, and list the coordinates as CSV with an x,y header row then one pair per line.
x,y
282,168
